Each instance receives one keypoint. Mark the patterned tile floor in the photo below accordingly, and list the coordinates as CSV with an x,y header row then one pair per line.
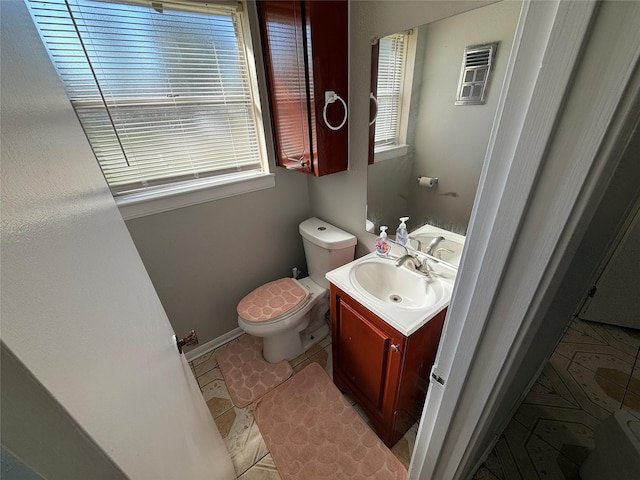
x,y
594,370
238,428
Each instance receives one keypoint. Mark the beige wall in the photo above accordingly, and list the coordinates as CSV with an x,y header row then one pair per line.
x,y
451,141
204,258
445,140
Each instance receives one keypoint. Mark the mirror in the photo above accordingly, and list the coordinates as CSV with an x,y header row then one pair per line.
x,y
441,139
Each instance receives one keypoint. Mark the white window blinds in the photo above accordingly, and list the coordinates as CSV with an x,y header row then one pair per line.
x,y
163,90
391,63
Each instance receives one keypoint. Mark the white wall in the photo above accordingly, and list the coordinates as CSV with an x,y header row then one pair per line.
x,y
79,313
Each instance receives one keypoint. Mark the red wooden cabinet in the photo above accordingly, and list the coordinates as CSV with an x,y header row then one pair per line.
x,y
384,371
305,51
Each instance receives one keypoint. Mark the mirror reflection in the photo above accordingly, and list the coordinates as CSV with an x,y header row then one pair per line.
x,y
420,131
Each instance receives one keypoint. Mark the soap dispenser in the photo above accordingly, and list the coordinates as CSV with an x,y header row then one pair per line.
x,y
402,236
382,246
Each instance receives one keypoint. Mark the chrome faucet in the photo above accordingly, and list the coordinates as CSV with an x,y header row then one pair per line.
x,y
406,250
421,266
433,245
417,241
409,258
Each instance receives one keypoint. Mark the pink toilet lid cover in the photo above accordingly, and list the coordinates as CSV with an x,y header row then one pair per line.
x,y
271,300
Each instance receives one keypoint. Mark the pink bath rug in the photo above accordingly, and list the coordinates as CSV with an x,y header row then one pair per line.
x,y
247,374
313,433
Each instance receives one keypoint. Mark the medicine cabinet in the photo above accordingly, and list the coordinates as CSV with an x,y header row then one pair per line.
x,y
305,50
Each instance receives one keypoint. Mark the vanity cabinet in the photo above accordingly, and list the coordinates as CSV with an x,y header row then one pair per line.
x,y
305,51
384,371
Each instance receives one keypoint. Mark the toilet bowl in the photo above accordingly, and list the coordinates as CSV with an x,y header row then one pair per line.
x,y
617,451
297,322
290,314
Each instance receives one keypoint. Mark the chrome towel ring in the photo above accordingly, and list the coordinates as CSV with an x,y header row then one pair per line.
x,y
329,98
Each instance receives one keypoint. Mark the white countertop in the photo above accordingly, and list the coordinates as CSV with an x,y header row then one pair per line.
x,y
405,320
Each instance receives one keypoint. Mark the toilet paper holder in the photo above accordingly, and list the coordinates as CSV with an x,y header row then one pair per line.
x,y
429,182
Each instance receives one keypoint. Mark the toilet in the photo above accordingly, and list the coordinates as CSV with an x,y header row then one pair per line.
x,y
290,314
617,451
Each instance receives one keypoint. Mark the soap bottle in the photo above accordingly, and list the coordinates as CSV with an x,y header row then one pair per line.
x,y
402,236
382,246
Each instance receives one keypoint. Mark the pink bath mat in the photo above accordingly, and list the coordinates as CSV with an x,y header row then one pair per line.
x,y
312,432
247,374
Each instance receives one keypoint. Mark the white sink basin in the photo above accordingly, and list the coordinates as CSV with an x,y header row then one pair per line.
x,y
399,286
403,298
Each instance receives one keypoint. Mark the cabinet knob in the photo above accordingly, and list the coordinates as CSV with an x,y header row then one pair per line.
x,y
395,348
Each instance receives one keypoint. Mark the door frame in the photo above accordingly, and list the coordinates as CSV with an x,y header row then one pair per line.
x,y
634,216
548,46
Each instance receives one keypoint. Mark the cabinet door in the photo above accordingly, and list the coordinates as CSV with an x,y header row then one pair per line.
x,y
284,44
363,354
329,39
305,51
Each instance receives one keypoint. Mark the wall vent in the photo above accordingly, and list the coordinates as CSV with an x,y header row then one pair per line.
x,y
474,76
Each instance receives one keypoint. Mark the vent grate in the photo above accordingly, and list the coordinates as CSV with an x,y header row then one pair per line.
x,y
474,76
477,58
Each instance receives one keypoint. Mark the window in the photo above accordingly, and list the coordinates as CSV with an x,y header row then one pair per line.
x,y
164,90
395,71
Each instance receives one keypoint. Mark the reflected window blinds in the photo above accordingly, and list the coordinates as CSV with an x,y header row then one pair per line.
x,y
391,64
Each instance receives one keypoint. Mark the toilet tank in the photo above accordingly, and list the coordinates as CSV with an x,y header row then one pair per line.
x,y
326,247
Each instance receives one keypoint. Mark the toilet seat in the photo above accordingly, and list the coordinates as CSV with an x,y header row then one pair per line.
x,y
273,301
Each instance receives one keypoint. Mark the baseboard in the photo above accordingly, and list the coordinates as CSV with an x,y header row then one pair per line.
x,y
212,344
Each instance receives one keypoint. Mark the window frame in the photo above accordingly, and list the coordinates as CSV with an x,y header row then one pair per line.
x,y
401,148
214,188
178,194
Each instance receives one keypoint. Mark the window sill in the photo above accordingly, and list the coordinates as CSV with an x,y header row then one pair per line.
x,y
162,200
389,153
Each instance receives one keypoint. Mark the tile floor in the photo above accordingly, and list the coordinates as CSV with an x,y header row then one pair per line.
x,y
238,428
594,370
